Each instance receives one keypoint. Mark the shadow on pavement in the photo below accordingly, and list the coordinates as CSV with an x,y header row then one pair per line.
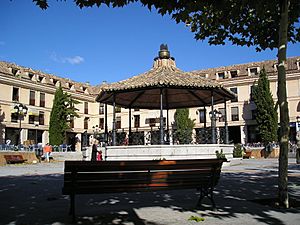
x,y
38,200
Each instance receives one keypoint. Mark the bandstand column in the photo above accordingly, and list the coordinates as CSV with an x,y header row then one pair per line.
x,y
129,131
168,131
105,125
226,123
114,122
213,121
161,122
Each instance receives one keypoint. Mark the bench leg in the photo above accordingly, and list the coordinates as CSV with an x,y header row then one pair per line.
x,y
206,192
72,207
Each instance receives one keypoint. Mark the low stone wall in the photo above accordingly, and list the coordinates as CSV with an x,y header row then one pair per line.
x,y
30,156
169,152
261,153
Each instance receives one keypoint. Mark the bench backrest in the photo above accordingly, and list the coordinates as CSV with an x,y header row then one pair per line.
x,y
119,176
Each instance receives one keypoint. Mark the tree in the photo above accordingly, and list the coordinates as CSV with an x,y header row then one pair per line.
x,y
63,110
265,24
266,117
184,126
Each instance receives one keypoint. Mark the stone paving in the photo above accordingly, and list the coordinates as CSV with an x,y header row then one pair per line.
x,y
31,194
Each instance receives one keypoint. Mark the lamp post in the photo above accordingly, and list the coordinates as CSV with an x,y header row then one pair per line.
x,y
36,129
297,140
20,110
214,115
298,123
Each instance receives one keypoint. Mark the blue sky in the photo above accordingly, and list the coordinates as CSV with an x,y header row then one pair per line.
x,y
106,44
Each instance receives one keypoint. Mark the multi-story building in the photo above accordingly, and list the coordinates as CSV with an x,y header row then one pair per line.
x,y
242,110
36,89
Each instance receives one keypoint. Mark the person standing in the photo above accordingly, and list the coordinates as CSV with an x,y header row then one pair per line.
x,y
99,156
298,147
47,151
94,151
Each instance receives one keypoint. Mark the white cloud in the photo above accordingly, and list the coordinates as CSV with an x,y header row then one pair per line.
x,y
72,60
75,60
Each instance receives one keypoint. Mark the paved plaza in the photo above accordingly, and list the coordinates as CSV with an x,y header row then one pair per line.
x,y
31,194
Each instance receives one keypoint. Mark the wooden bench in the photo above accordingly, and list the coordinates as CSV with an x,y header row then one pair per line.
x,y
10,159
82,177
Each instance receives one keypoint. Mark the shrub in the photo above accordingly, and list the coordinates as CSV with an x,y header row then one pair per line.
x,y
238,151
220,155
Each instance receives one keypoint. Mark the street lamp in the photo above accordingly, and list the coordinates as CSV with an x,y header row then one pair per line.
x,y
97,133
214,115
20,110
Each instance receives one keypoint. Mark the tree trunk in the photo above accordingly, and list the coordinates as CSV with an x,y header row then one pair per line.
x,y
283,107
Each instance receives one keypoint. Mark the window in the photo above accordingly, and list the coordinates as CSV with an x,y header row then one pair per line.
x,y
15,94
251,93
221,75
298,64
202,115
253,114
101,123
42,99
14,71
136,121
72,122
41,118
101,108
31,119
32,98
152,122
234,113
14,118
118,122
234,90
253,71
86,123
222,116
233,73
136,110
30,75
40,78
86,108
118,109
275,66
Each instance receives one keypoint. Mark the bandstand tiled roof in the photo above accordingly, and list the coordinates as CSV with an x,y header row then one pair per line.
x,y
180,89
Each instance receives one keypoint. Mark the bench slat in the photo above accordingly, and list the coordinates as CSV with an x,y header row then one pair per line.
x,y
138,165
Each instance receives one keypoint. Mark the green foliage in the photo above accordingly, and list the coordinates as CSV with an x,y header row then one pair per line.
x,y
244,23
238,151
196,218
62,110
220,155
184,126
266,117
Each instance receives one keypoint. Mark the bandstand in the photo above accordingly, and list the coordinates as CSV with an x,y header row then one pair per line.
x,y
165,87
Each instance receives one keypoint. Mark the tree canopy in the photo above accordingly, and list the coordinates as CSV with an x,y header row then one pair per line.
x,y
266,117
63,110
247,22
184,126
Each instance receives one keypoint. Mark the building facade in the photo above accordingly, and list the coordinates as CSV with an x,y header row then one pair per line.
x,y
36,89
